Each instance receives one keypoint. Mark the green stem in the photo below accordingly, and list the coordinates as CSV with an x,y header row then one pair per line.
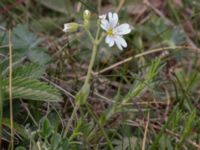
x,y
90,35
101,37
92,60
70,120
100,126
94,52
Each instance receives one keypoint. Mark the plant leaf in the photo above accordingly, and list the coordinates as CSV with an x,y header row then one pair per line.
x,y
56,5
31,70
25,43
32,89
17,60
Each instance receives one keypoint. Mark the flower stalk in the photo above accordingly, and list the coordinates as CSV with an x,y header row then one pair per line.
x,y
94,52
82,95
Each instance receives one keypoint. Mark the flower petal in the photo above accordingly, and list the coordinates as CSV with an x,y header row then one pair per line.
x,y
65,30
119,46
102,16
66,27
109,40
122,29
113,19
105,24
120,42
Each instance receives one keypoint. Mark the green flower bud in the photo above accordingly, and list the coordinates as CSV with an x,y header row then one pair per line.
x,y
86,24
86,15
71,27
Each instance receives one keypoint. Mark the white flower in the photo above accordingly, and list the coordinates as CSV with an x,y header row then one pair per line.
x,y
114,31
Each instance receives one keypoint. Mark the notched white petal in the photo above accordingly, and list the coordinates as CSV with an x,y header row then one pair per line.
x,y
110,16
119,45
122,29
109,40
113,19
122,41
105,24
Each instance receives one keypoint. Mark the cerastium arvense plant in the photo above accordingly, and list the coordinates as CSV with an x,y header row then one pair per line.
x,y
113,33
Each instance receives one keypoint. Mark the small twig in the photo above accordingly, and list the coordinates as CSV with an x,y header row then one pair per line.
x,y
60,88
29,113
143,123
121,3
113,66
66,130
99,6
78,8
1,105
10,93
145,132
4,46
168,104
2,28
143,54
107,100
158,12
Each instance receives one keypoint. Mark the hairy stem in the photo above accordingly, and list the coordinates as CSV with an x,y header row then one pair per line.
x,y
92,60
94,51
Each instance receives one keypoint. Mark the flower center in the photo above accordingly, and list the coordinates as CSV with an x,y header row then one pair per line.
x,y
110,32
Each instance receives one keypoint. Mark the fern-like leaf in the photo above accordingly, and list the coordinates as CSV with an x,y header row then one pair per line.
x,y
32,89
31,70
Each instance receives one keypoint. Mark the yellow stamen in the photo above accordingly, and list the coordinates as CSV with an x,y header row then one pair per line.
x,y
110,32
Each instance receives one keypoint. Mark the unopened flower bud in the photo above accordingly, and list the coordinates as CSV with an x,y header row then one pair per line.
x,y
86,15
71,27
